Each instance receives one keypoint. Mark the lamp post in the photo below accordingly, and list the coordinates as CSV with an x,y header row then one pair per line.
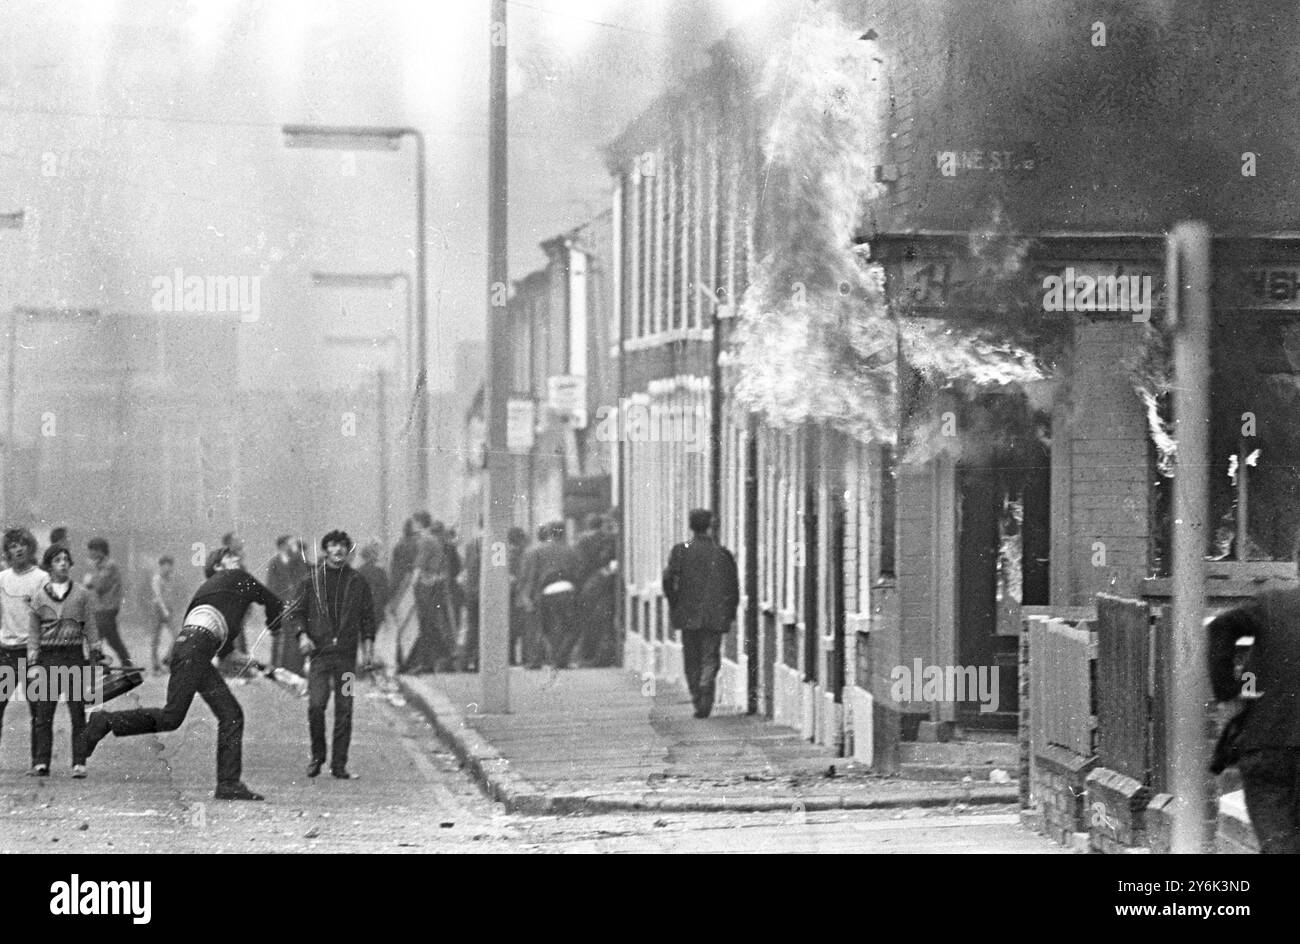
x,y
12,220
367,138
494,581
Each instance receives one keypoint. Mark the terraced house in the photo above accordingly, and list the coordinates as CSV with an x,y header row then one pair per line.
x,y
844,258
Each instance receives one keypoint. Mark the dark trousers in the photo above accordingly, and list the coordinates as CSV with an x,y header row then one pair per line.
x,y
1271,779
192,674
106,623
434,646
11,659
325,672
596,604
285,653
557,619
43,710
702,658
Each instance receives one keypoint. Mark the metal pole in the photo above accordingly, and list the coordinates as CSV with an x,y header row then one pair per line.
x,y
422,331
6,478
494,579
381,389
408,376
1188,279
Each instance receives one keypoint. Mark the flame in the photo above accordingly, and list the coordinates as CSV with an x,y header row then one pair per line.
x,y
816,340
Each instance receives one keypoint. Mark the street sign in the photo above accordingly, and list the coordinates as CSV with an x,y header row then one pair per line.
x,y
566,395
520,419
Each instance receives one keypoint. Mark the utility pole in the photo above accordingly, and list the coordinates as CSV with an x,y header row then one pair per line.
x,y
498,499
381,410
12,220
1188,280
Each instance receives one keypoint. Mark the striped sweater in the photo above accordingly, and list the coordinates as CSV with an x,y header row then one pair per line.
x,y
64,622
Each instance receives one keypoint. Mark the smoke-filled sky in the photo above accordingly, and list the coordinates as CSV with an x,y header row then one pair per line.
x,y
143,137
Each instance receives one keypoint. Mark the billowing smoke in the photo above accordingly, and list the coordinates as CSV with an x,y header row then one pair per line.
x,y
816,339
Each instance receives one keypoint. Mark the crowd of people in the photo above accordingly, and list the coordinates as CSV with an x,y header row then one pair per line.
x,y
562,612
562,595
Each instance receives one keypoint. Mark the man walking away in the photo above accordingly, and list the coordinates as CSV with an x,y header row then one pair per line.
x,y
20,583
553,594
211,624
331,613
703,591
105,585
1269,742
162,603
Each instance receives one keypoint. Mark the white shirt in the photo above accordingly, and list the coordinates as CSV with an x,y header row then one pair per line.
x,y
16,592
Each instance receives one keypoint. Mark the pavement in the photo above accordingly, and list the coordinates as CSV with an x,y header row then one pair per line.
x,y
665,782
592,741
153,793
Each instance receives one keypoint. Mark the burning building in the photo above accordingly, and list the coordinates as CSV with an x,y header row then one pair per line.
x,y
914,279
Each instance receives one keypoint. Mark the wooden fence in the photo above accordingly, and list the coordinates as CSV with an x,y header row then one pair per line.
x,y
1062,709
1126,687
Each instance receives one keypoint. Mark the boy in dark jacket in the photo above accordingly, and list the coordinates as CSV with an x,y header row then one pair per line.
x,y
333,612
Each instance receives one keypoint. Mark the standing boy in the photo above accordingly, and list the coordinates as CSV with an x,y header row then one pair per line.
x,y
332,613
19,584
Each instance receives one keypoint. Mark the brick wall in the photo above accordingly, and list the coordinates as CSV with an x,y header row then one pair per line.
x,y
1109,478
1129,136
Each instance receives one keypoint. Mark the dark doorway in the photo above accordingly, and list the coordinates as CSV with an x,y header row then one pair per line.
x,y
1003,530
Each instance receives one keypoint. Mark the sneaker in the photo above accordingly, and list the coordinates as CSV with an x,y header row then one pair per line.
x,y
313,769
96,729
236,791
39,770
341,773
78,771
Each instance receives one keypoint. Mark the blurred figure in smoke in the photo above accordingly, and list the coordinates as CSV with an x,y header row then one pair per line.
x,y
456,598
598,550
233,541
162,602
403,560
516,544
105,585
467,655
534,647
376,579
284,573
430,569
